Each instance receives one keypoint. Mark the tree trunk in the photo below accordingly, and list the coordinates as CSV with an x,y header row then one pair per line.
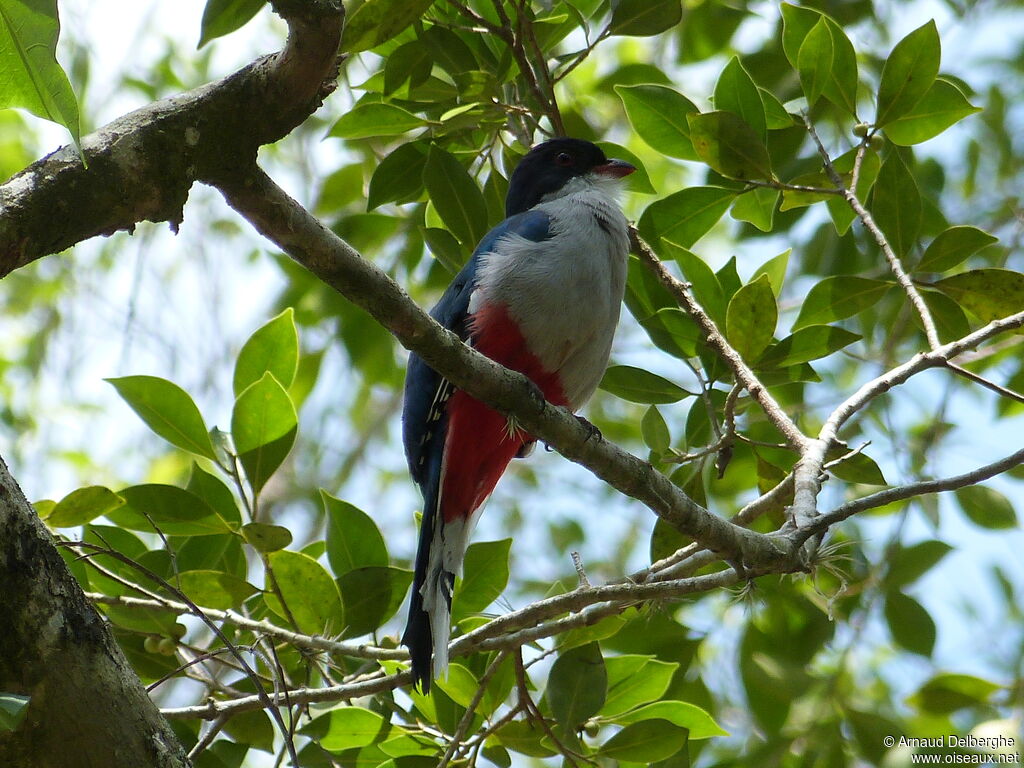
x,y
88,709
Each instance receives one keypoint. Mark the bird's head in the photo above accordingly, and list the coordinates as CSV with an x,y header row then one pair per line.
x,y
550,168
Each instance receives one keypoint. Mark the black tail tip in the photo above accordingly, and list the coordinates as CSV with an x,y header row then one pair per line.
x,y
418,640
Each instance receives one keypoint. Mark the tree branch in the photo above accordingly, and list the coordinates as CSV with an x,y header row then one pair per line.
x,y
900,493
142,165
286,223
744,375
56,649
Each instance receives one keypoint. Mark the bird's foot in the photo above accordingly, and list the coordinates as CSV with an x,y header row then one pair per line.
x,y
592,431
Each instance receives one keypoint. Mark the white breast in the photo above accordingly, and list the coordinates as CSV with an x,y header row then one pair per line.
x,y
565,292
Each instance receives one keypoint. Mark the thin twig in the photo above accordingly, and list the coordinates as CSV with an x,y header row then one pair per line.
x,y
744,375
216,726
261,694
467,719
895,265
313,642
902,492
533,711
997,388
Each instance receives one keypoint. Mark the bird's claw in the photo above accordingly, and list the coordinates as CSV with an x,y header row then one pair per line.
x,y
592,431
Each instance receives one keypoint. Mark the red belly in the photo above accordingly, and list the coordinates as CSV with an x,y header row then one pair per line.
x,y
478,446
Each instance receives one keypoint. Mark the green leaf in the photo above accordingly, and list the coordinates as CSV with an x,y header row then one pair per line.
x,y
910,625
775,268
221,17
842,214
213,491
680,713
274,348
658,115
814,61
684,217
398,177
264,537
456,196
751,318
809,343
655,431
309,592
908,564
375,119
736,92
168,410
757,206
345,728
263,424
896,204
371,596
175,511
215,589
445,248
950,319
12,710
353,539
377,21
673,331
989,294
82,506
946,693
986,507
525,738
408,63
841,86
460,685
775,114
647,741
702,279
448,50
729,145
263,413
665,540
952,247
836,298
634,680
577,685
32,78
797,22
643,18
908,73
484,576
858,468
640,386
943,105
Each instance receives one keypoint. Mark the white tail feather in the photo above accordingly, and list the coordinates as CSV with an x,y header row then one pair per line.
x,y
444,562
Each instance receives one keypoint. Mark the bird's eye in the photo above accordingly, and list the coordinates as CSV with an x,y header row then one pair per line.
x,y
563,158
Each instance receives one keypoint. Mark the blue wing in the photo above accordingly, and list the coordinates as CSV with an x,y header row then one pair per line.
x,y
425,424
425,391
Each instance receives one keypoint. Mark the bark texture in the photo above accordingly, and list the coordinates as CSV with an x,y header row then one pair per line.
x,y
88,708
142,166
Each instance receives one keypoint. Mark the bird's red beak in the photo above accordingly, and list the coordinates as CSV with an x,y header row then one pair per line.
x,y
615,168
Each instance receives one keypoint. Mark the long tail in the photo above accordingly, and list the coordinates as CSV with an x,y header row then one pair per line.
x,y
439,557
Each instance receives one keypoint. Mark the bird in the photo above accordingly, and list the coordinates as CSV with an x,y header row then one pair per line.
x,y
540,295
